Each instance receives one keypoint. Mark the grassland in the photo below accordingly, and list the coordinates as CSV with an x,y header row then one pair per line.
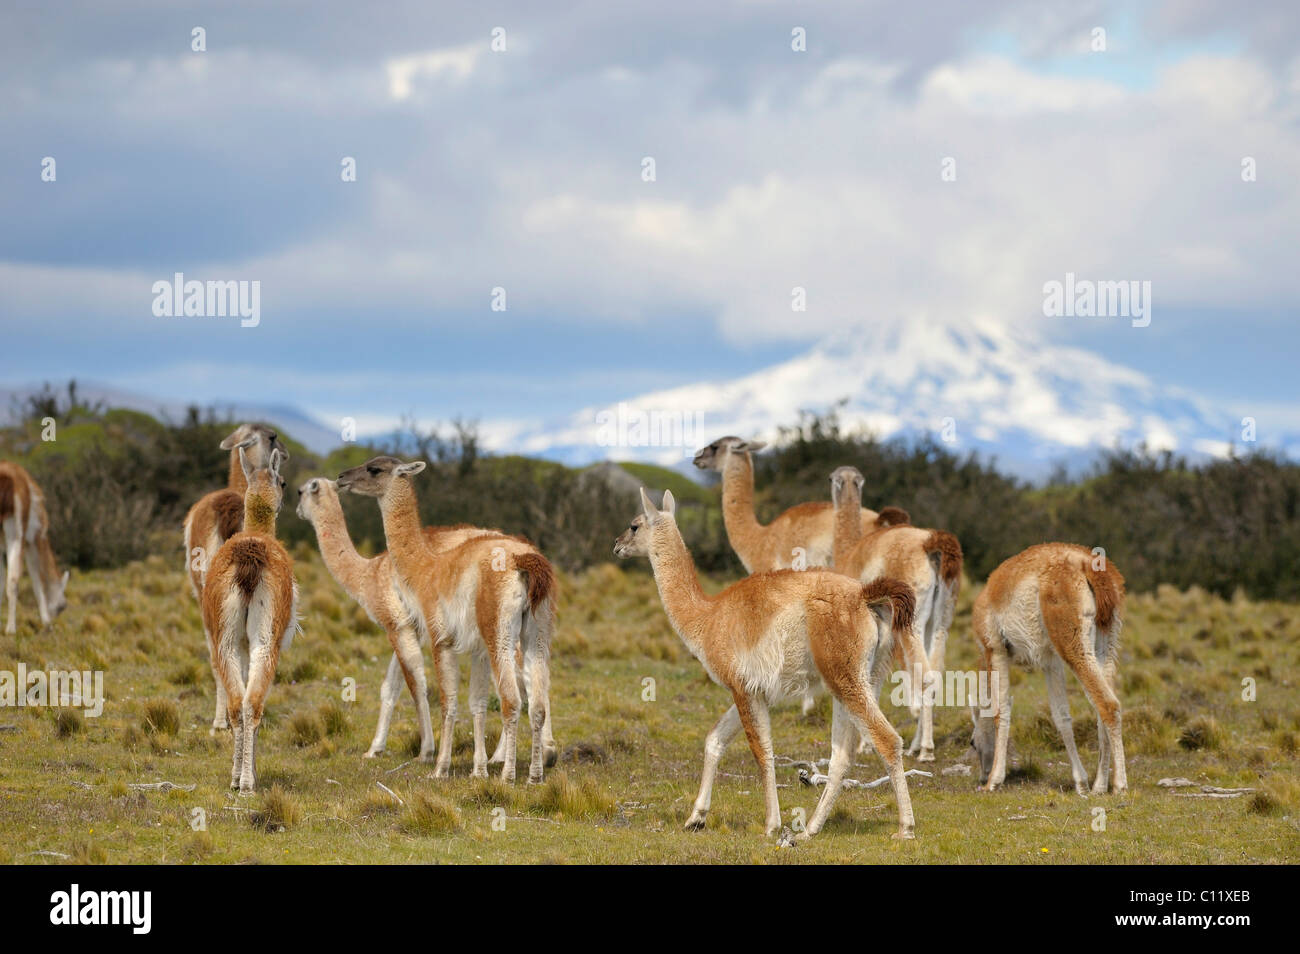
x,y
629,767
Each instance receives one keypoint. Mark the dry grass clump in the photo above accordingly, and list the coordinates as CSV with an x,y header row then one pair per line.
x,y
333,718
567,797
1202,732
69,722
161,717
431,814
307,728
280,810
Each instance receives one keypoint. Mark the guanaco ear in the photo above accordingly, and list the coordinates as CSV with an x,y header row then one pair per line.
x,y
277,458
409,470
244,464
233,439
670,505
64,584
314,486
753,446
651,512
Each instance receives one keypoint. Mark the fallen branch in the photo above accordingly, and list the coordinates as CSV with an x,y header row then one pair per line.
x,y
391,792
1206,791
817,779
159,787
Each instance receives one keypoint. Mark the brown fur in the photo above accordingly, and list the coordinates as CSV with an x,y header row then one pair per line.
x,y
541,578
950,555
7,495
892,517
228,508
249,558
898,595
1107,590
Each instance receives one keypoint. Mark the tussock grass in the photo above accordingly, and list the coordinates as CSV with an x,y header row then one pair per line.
x,y
431,814
161,717
307,728
333,718
280,810
569,797
1202,732
69,722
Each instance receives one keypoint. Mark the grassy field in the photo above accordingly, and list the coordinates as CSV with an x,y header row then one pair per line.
x,y
629,768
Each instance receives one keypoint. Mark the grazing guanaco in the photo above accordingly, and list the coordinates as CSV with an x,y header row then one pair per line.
x,y
370,582
485,597
1053,605
250,611
929,561
770,636
219,515
24,527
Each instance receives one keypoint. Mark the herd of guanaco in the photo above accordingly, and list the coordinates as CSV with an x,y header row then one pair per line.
x,y
837,595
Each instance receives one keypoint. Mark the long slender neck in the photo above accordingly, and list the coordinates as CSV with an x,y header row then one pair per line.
x,y
847,529
345,564
401,515
738,517
235,479
259,515
49,567
679,586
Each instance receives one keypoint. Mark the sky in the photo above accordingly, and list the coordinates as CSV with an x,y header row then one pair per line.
x,y
523,168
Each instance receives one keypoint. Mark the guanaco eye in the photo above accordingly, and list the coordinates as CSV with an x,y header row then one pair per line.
x,y
373,470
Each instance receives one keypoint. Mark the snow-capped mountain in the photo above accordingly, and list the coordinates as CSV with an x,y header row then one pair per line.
x,y
979,388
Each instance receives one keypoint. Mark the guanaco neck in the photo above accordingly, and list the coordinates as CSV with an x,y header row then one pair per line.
x,y
346,565
847,530
235,479
738,517
259,515
49,566
679,586
400,511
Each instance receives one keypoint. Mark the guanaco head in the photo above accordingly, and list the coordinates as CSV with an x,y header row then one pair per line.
x,y
313,494
714,457
265,488
264,438
375,476
846,486
636,540
56,599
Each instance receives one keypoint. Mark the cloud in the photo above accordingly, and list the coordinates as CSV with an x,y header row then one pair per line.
x,y
775,170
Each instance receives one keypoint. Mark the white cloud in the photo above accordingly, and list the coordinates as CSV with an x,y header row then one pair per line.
x,y
455,64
